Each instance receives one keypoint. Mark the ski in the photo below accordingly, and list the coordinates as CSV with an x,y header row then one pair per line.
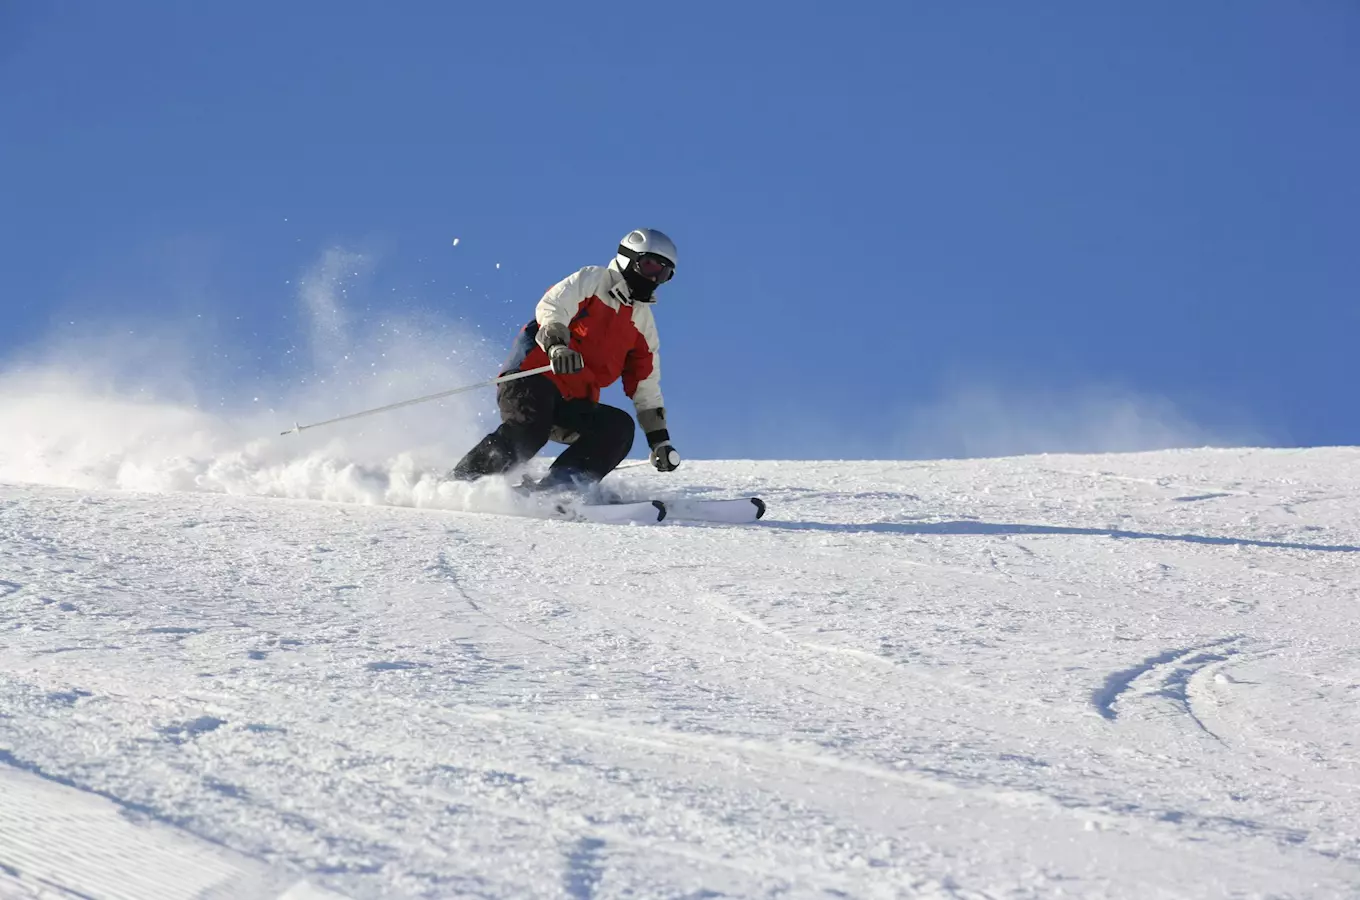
x,y
738,511
646,512
604,509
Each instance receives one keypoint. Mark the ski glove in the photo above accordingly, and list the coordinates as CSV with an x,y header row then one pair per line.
x,y
665,457
565,361
554,338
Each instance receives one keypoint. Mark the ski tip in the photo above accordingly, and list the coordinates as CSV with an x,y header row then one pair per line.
x,y
660,510
759,505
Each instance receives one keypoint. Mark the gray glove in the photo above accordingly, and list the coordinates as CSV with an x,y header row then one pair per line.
x,y
565,361
665,457
555,339
653,422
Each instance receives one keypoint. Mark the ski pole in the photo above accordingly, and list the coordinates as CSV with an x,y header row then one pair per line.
x,y
298,429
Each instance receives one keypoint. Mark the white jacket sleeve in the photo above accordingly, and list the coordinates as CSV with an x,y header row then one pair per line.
x,y
563,300
642,372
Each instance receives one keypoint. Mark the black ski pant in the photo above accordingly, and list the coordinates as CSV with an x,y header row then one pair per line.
x,y
531,408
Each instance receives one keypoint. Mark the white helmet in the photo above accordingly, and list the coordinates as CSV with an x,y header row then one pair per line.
x,y
648,253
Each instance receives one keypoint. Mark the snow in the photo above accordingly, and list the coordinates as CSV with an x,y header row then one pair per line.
x,y
55,836
1098,676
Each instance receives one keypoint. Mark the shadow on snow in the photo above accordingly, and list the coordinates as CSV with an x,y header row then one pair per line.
x,y
973,527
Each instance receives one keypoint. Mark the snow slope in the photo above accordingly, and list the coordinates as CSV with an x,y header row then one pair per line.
x,y
1100,676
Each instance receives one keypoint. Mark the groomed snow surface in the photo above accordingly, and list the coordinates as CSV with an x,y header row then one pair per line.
x,y
1131,676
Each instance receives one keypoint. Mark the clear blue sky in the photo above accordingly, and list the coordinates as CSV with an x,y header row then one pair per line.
x,y
873,202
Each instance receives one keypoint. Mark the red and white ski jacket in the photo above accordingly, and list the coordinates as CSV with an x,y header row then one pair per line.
x,y
615,336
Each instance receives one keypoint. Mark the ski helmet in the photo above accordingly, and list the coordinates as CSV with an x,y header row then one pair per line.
x,y
649,254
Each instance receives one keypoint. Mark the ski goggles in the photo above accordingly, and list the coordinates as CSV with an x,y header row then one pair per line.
x,y
654,268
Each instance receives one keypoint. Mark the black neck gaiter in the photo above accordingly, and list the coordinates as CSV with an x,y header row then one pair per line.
x,y
639,288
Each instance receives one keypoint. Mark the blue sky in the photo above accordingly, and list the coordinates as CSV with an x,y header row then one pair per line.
x,y
885,211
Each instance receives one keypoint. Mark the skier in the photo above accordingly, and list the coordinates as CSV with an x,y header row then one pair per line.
x,y
593,327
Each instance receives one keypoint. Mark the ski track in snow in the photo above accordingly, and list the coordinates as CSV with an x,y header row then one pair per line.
x,y
1111,676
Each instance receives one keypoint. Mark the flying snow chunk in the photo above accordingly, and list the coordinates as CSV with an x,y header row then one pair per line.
x,y
455,241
